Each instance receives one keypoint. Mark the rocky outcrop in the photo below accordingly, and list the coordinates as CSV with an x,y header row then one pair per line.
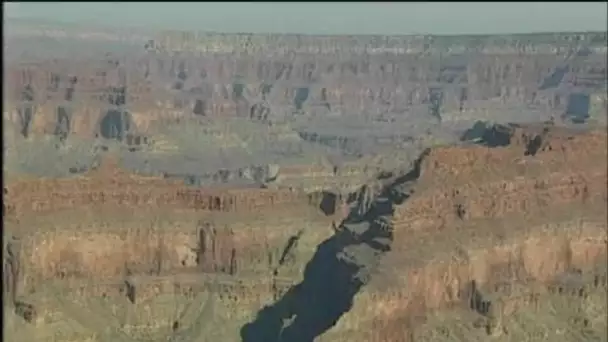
x,y
109,185
536,168
499,231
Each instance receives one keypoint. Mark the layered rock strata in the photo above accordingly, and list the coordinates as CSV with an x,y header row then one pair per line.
x,y
446,233
429,78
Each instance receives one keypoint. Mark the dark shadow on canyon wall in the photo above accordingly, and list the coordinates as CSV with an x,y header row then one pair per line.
x,y
490,135
578,108
63,122
115,124
26,116
341,266
555,78
328,203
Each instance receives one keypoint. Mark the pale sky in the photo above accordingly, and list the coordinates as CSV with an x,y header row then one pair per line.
x,y
329,17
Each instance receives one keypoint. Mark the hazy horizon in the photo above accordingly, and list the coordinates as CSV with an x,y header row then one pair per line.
x,y
327,18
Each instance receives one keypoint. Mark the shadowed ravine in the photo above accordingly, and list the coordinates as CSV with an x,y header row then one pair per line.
x,y
341,266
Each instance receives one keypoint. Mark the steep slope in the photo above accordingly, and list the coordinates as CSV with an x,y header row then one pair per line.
x,y
464,222
478,216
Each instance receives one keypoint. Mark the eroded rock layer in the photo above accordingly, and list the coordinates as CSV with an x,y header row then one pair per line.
x,y
276,77
467,221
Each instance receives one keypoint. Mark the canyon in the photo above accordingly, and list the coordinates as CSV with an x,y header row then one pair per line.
x,y
213,187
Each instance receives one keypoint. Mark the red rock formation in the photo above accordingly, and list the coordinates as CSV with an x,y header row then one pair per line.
x,y
461,85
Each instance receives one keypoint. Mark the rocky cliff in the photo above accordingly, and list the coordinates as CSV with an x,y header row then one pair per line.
x,y
497,216
275,77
